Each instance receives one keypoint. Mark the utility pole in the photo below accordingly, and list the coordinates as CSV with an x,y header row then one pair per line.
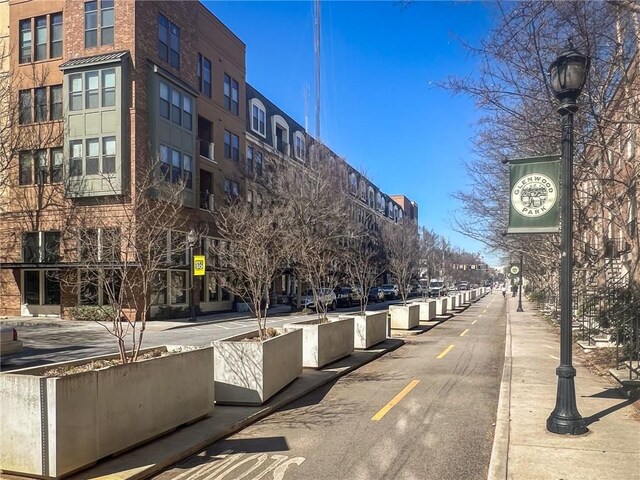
x,y
316,17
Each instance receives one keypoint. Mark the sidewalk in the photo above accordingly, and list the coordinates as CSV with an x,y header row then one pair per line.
x,y
523,448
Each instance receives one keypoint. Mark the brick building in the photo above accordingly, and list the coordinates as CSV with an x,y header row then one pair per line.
x,y
100,90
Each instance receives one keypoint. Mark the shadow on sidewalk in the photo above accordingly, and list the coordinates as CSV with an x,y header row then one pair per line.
x,y
603,413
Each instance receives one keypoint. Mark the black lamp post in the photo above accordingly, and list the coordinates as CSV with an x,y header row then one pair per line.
x,y
192,237
520,287
568,74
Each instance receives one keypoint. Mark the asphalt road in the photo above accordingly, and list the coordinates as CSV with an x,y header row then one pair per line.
x,y
425,411
50,343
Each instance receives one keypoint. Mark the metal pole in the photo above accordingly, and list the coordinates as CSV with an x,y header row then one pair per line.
x,y
520,288
192,307
565,418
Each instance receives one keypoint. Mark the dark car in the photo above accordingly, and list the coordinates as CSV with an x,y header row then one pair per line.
x,y
346,296
376,294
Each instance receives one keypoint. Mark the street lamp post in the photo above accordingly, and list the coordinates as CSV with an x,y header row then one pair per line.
x,y
192,237
567,74
520,289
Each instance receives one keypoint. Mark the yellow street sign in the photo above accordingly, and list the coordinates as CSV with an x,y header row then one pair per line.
x,y
198,265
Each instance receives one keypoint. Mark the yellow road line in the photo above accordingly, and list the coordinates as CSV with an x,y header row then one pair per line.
x,y
464,333
479,316
446,350
383,411
474,322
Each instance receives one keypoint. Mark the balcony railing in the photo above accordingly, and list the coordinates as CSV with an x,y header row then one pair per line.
x,y
207,201
282,146
206,149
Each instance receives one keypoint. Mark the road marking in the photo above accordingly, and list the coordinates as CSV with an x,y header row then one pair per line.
x,y
446,350
484,311
383,411
464,333
474,322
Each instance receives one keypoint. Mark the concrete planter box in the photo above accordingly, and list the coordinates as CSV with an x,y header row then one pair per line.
x,y
452,302
369,329
441,306
323,343
404,317
251,372
427,310
54,426
465,297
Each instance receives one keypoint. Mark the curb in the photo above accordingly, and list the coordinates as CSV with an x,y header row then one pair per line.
x,y
498,466
192,449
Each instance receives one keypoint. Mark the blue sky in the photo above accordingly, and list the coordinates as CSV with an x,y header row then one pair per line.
x,y
380,107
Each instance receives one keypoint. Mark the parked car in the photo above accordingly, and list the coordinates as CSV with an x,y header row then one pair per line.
x,y
376,294
347,296
437,287
463,286
326,297
390,291
9,343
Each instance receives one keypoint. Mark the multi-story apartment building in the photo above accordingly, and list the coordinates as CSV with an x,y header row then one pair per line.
x,y
101,90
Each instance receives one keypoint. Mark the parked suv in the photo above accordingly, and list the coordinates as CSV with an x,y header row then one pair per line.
x,y
347,296
390,291
326,296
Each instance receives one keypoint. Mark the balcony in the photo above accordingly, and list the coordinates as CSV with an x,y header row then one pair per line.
x,y
206,149
206,201
282,146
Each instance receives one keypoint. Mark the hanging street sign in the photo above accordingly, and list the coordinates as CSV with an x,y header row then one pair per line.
x,y
534,195
514,270
198,265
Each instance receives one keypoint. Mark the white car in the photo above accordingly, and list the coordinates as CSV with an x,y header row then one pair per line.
x,y
9,342
390,291
326,297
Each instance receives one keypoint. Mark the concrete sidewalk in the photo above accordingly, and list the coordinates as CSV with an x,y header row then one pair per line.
x,y
523,448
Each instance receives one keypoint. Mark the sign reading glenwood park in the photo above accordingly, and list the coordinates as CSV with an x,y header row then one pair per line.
x,y
534,199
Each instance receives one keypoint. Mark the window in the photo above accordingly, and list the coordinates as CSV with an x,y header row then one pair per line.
x,y
41,104
168,41
231,188
231,94
165,164
99,156
55,45
259,163
299,146
98,17
92,92
258,116
40,167
231,146
99,244
164,100
75,92
25,107
178,287
249,159
187,173
108,88
187,118
41,38
41,287
41,247
204,75
176,167
176,104
56,102
25,41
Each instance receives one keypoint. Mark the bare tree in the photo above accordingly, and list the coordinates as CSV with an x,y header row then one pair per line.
x,y
251,253
363,265
122,250
402,250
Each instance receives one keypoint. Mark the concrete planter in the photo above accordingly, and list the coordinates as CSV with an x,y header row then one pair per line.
x,y
323,343
427,310
369,329
52,426
441,306
473,295
404,317
452,302
249,373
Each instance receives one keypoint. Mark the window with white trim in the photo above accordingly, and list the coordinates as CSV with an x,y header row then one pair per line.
x,y
258,117
40,167
176,166
92,156
299,147
92,89
176,106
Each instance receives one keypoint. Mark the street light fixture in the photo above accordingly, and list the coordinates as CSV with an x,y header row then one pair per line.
x,y
192,238
568,74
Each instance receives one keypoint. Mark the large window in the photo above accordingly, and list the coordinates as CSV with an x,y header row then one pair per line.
x,y
259,163
40,104
176,106
99,245
41,247
299,147
92,89
43,166
231,188
41,287
249,159
204,75
168,41
97,156
231,146
231,94
98,23
176,166
40,38
258,115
